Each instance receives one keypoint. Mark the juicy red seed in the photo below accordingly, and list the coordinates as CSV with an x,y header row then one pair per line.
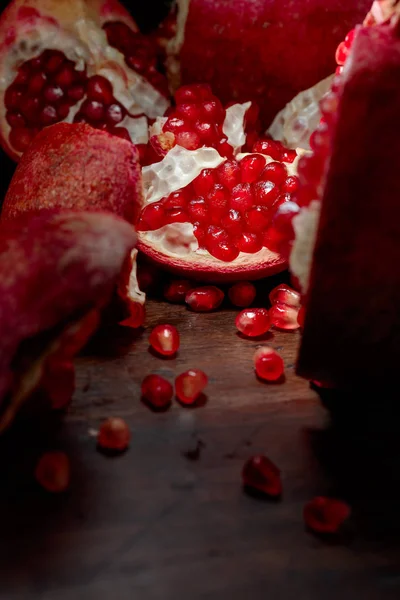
x,y
197,210
36,83
164,339
224,148
48,115
178,198
275,172
228,174
232,222
265,192
268,364
204,182
15,119
114,434
257,219
291,184
115,113
217,197
21,138
157,392
251,168
284,317
248,242
342,52
52,61
200,234
93,110
204,299
225,251
30,107
241,197
216,234
63,110
253,322
189,385
193,93
176,291
213,111
281,199
207,132
65,77
152,217
252,116
175,125
12,97
53,93
53,472
259,473
100,89
311,168
325,515
288,155
285,295
281,233
188,139
176,215
188,112
242,294
270,147
76,92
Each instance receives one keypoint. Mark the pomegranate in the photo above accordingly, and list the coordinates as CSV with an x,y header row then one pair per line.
x,y
189,386
324,515
253,322
263,50
53,472
268,364
175,291
57,271
350,334
204,299
164,339
260,474
157,392
242,294
114,434
75,61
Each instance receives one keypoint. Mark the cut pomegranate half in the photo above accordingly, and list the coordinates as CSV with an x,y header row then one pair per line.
x,y
351,333
75,61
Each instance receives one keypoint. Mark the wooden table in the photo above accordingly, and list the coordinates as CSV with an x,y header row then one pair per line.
x,y
156,524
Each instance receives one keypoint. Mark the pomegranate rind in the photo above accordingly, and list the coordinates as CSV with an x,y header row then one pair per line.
x,y
54,270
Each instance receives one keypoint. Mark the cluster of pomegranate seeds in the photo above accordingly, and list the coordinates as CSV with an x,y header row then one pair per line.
x,y
176,290
189,385
114,434
325,515
164,339
285,308
204,299
268,364
260,474
242,294
343,50
140,52
253,322
237,207
275,150
157,392
53,472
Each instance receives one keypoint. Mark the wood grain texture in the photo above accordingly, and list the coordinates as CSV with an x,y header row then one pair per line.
x,y
154,525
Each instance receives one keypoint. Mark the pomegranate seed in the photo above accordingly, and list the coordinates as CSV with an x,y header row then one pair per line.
x,y
216,234
242,294
48,115
193,93
275,172
188,112
223,250
204,299
174,125
265,193
232,222
229,174
311,168
305,195
200,234
100,89
300,316
259,473
65,77
270,147
164,339
12,97
36,83
248,242
224,148
76,92
63,110
176,290
93,110
30,107
268,364
212,110
291,184
325,515
53,472
241,197
189,385
114,434
281,233
217,198
15,119
341,53
251,168
53,93
152,217
284,317
204,182
115,113
198,210
253,322
283,294
288,155
206,132
176,215
188,139
21,138
257,219
157,392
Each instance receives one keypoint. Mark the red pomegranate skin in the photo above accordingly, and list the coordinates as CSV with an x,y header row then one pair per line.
x,y
352,319
265,50
54,269
76,167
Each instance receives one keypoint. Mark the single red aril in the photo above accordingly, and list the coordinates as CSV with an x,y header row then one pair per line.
x,y
114,434
280,235
189,385
253,322
73,61
164,339
204,299
157,392
284,317
268,364
325,515
53,472
59,381
284,294
260,474
242,294
176,290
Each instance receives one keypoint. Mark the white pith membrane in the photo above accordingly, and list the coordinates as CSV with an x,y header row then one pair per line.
x,y
133,292
84,43
177,170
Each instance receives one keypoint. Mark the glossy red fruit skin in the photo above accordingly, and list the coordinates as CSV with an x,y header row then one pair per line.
x,y
52,472
114,435
157,392
190,385
253,322
164,339
204,299
260,474
324,515
242,294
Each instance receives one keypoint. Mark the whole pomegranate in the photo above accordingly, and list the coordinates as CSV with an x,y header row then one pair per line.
x,y
75,61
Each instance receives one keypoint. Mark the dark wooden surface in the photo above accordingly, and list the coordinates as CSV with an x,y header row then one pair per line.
x,y
154,525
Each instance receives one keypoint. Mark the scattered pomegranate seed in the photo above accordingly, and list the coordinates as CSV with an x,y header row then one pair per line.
x,y
53,472
285,295
204,299
268,364
175,291
189,385
157,392
253,322
325,515
284,317
259,473
242,293
164,339
114,434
